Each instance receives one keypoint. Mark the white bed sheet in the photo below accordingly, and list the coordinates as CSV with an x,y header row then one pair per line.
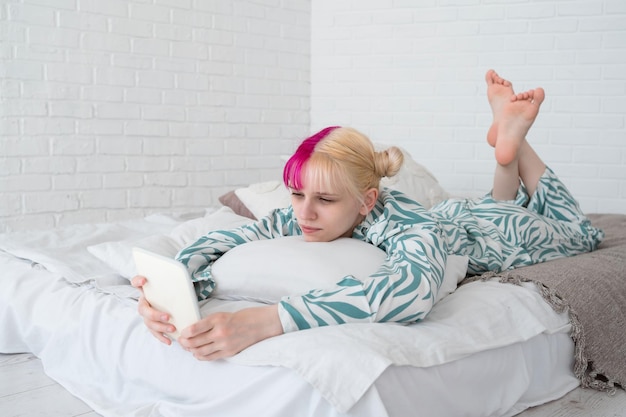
x,y
93,342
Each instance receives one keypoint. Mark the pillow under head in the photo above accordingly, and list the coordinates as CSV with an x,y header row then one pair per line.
x,y
267,270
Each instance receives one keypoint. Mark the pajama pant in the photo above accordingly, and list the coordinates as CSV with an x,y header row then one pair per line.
x,y
501,235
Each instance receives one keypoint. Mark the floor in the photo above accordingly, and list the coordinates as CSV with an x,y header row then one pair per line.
x,y
26,391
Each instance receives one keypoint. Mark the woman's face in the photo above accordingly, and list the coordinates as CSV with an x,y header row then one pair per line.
x,y
325,215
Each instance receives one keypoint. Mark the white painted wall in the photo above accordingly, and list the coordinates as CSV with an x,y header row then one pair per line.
x,y
112,109
411,73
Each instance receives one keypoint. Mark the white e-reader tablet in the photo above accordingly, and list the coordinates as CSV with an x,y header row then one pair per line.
x,y
168,288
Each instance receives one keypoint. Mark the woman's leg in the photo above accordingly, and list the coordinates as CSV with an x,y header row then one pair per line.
x,y
513,114
549,223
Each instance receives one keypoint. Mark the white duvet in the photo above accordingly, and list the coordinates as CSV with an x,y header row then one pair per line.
x,y
340,362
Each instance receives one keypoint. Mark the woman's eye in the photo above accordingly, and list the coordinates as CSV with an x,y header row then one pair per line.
x,y
326,200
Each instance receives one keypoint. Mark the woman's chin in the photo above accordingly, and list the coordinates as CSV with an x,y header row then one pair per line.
x,y
310,238
315,237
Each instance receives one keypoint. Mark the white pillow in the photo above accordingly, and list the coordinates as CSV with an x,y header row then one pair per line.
x,y
263,197
455,272
222,219
118,254
415,181
267,270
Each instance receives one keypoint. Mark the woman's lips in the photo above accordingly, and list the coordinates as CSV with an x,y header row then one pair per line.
x,y
308,229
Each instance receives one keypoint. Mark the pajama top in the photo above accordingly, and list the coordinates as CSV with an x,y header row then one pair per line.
x,y
495,235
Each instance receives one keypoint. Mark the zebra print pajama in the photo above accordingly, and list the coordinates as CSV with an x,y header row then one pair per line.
x,y
495,235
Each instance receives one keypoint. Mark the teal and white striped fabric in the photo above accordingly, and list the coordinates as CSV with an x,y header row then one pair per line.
x,y
501,235
495,235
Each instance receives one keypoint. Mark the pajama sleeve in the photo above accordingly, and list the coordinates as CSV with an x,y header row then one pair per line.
x,y
402,290
199,256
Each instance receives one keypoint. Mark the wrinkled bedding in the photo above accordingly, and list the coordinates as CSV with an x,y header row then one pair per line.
x,y
94,318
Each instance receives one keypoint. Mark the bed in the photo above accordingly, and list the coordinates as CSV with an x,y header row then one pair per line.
x,y
492,345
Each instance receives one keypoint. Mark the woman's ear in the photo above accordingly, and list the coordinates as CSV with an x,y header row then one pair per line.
x,y
369,200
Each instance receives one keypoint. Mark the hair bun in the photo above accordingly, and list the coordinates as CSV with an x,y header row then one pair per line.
x,y
388,162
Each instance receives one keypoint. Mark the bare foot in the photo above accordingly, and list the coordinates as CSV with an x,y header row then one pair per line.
x,y
499,93
516,117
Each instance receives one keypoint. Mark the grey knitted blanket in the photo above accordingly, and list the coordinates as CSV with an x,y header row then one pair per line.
x,y
592,287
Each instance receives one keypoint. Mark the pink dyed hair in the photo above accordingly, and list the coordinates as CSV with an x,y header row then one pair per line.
x,y
292,174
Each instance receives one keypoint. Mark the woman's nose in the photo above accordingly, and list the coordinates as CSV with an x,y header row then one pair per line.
x,y
307,210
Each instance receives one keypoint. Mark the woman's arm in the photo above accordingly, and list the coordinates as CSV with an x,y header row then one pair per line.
x,y
216,336
402,290
221,335
199,256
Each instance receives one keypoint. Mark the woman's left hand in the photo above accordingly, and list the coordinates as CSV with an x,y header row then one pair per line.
x,y
221,335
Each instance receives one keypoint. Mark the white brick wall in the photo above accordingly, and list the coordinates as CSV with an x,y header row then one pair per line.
x,y
111,109
411,72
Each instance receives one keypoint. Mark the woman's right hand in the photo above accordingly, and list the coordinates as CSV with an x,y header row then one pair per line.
x,y
156,321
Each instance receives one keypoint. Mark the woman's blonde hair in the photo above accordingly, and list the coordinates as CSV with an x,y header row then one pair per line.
x,y
341,159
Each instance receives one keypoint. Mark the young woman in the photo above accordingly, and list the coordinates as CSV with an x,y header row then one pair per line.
x,y
334,176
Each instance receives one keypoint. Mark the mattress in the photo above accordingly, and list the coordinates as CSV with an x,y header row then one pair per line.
x,y
487,349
